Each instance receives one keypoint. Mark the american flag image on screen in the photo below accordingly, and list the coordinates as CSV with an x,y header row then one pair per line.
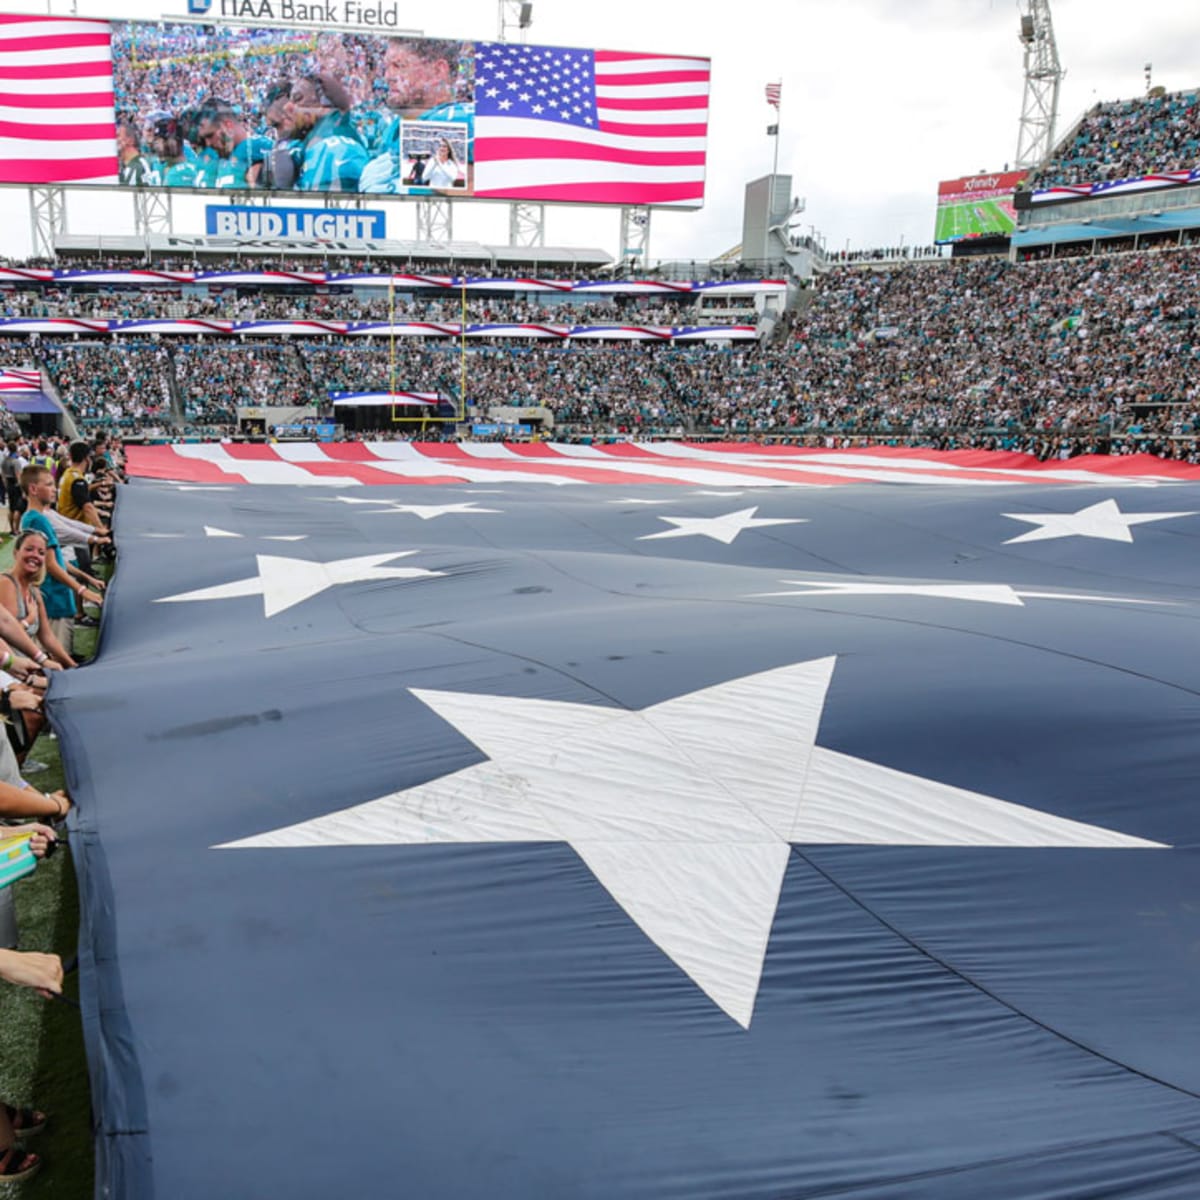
x,y
589,125
56,101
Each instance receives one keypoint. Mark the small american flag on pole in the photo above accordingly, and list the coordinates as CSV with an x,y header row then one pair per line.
x,y
774,94
584,125
56,101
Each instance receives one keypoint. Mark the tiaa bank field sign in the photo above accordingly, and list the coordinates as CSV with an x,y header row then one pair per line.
x,y
371,14
299,224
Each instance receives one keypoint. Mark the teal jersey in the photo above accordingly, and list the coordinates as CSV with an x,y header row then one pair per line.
x,y
180,174
372,124
207,163
232,172
333,156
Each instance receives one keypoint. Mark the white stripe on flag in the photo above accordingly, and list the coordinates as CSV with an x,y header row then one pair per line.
x,y
23,148
647,66
50,59
516,127
650,91
56,117
98,81
527,172
56,27
696,117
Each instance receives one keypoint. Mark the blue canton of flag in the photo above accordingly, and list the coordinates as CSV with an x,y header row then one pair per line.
x,y
541,82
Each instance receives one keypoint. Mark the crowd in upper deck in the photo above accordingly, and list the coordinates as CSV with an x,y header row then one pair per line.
x,y
1126,138
1091,349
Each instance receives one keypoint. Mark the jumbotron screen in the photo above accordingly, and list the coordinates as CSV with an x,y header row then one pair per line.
x,y
178,105
977,206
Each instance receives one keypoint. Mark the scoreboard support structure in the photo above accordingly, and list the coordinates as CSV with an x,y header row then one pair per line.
x,y
47,219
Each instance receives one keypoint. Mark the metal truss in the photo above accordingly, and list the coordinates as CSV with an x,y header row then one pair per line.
x,y
47,219
153,212
635,234
515,18
526,224
435,220
1043,79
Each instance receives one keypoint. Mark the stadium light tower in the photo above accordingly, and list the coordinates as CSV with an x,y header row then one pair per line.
x,y
1043,79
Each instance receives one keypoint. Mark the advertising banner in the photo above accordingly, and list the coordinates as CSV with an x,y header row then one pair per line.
x,y
241,108
258,223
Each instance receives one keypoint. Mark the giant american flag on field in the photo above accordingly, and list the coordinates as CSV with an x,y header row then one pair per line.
x,y
564,124
645,822
56,101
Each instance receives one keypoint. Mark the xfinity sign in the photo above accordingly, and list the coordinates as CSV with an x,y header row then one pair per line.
x,y
359,14
306,224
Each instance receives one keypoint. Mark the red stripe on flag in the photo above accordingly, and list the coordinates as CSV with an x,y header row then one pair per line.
x,y
499,149
653,103
83,70
60,100
53,41
604,193
58,133
162,462
40,170
622,56
650,77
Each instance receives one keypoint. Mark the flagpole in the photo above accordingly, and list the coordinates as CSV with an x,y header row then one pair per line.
x,y
775,100
775,163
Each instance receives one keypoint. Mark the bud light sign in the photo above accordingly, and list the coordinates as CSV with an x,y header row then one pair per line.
x,y
295,224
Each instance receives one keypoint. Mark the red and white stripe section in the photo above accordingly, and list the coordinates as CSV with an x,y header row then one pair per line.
x,y
57,123
649,146
726,464
19,380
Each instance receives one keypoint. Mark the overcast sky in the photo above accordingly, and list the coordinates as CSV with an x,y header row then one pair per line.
x,y
881,99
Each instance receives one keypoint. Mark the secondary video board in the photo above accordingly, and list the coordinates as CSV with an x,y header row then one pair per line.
x,y
977,206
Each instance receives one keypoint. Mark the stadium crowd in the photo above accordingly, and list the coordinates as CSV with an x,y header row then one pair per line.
x,y
59,499
1075,352
1124,138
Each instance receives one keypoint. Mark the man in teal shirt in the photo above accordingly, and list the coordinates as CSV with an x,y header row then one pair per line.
x,y
326,152
167,144
422,79
237,154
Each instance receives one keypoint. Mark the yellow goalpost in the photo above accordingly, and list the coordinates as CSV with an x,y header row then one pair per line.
x,y
461,408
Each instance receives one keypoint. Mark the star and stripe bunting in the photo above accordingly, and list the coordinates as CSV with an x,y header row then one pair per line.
x,y
722,464
57,122
14,380
378,399
142,327
483,283
580,125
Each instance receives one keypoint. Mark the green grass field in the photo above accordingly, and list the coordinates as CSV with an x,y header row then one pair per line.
x,y
971,219
41,1043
